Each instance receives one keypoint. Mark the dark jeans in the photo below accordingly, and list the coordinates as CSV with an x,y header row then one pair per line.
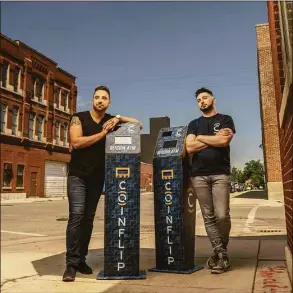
x,y
213,194
83,198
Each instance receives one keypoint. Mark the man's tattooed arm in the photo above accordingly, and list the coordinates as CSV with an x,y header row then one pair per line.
x,y
75,121
77,140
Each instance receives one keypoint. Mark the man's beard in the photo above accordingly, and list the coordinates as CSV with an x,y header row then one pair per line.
x,y
99,108
207,109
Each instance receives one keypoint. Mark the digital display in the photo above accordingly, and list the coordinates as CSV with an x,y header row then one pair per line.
x,y
123,140
167,133
122,172
167,174
170,144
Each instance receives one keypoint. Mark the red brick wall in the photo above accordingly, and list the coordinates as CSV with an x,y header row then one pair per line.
x,y
270,127
20,149
284,91
287,158
146,177
33,160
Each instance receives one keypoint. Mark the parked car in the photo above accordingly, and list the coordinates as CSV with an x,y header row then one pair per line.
x,y
232,187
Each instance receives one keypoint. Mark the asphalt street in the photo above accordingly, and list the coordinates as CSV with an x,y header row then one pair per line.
x,y
42,220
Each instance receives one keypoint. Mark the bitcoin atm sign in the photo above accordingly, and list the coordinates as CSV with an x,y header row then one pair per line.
x,y
168,175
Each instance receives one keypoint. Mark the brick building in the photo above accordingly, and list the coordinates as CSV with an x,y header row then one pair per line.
x,y
146,177
37,100
148,141
279,36
269,119
148,144
281,33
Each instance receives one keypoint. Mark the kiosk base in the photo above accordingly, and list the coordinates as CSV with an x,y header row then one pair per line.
x,y
196,268
101,276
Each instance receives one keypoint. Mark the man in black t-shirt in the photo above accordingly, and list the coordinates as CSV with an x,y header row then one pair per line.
x,y
208,139
85,181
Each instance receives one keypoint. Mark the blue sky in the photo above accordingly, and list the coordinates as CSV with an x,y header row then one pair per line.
x,y
153,56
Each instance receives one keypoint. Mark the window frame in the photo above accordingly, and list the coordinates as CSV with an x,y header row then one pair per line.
x,y
23,172
39,89
9,186
57,123
286,48
33,123
4,65
65,134
17,120
40,128
16,85
4,122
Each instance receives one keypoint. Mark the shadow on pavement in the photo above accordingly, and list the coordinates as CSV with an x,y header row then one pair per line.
x,y
254,194
55,265
239,248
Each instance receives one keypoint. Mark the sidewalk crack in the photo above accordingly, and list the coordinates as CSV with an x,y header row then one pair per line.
x,y
14,280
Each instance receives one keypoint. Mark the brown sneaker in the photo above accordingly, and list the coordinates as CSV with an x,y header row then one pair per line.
x,y
223,264
212,261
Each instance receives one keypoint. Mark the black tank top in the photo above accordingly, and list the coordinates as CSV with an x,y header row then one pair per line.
x,y
89,162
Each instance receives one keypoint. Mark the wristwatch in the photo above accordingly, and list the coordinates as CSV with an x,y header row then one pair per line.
x,y
118,117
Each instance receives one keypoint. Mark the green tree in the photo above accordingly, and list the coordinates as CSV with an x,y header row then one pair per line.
x,y
233,175
237,175
254,170
241,177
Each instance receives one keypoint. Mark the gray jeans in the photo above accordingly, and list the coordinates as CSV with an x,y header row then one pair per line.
x,y
213,195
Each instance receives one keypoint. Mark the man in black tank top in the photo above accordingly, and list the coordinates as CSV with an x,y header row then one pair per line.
x,y
208,139
85,181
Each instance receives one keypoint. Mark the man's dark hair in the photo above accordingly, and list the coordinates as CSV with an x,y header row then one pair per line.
x,y
203,90
102,88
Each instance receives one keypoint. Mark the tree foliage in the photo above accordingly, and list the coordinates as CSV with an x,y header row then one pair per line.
x,y
253,170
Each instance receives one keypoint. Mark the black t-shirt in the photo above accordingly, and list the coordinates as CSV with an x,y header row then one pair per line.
x,y
89,162
211,160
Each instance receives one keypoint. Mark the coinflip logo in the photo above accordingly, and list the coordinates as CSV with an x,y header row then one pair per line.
x,y
168,175
122,202
190,194
216,127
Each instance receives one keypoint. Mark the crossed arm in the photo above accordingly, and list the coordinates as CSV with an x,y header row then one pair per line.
x,y
79,141
197,143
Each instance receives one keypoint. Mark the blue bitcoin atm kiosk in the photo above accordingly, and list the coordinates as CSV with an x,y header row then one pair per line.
x,y
122,204
174,204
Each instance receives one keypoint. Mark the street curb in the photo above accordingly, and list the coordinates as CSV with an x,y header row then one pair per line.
x,y
30,200
44,199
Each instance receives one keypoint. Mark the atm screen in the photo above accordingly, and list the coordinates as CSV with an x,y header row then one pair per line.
x,y
167,133
170,144
123,140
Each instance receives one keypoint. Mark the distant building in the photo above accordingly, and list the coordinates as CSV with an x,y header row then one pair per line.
x,y
37,100
269,117
148,141
148,144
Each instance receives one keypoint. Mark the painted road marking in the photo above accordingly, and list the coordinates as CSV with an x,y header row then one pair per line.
x,y
23,233
250,219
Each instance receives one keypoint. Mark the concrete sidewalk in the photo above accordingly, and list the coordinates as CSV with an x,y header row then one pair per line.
x,y
258,266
